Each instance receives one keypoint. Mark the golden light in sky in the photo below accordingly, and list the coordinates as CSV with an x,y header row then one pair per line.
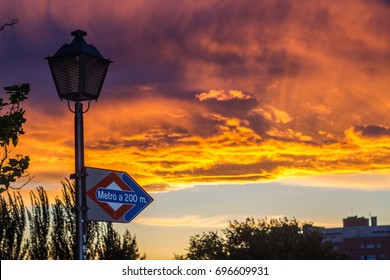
x,y
213,92
270,89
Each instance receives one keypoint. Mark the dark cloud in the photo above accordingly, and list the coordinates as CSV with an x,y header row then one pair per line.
x,y
241,107
219,34
205,126
227,172
373,131
384,2
259,124
279,62
159,45
157,138
160,138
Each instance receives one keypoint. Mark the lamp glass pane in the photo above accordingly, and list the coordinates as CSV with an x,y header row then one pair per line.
x,y
66,72
95,72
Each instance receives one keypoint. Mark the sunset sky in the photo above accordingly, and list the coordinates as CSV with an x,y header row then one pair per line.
x,y
221,110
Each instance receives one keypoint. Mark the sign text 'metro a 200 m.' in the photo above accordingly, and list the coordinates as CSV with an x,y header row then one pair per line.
x,y
119,196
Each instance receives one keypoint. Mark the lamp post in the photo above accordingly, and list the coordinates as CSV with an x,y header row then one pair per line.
x,y
79,70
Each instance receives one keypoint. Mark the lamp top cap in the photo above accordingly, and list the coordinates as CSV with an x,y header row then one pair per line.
x,y
79,33
78,46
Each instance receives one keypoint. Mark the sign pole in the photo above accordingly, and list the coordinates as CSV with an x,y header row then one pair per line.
x,y
81,208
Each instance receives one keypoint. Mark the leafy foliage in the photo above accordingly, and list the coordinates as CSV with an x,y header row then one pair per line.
x,y
12,226
11,127
275,239
52,232
39,221
115,247
63,232
207,247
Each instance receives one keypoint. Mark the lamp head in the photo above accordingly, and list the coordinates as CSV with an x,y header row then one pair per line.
x,y
78,69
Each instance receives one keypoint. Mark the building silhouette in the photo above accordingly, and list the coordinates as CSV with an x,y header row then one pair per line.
x,y
359,240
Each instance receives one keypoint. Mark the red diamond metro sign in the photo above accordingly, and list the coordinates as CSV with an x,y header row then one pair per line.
x,y
113,196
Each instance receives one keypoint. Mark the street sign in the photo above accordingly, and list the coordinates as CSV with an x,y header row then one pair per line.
x,y
113,196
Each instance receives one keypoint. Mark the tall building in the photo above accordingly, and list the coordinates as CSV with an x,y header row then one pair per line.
x,y
358,240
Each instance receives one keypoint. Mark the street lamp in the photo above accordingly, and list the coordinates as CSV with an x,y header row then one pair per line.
x,y
79,70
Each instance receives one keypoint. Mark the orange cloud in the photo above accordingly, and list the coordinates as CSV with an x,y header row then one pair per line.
x,y
273,114
291,89
163,147
222,95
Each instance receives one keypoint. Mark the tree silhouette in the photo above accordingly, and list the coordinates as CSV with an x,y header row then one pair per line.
x,y
208,246
103,241
39,221
115,247
12,226
52,232
274,239
62,236
11,127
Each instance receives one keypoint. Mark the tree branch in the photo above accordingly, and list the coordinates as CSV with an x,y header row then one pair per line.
x,y
13,22
25,183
